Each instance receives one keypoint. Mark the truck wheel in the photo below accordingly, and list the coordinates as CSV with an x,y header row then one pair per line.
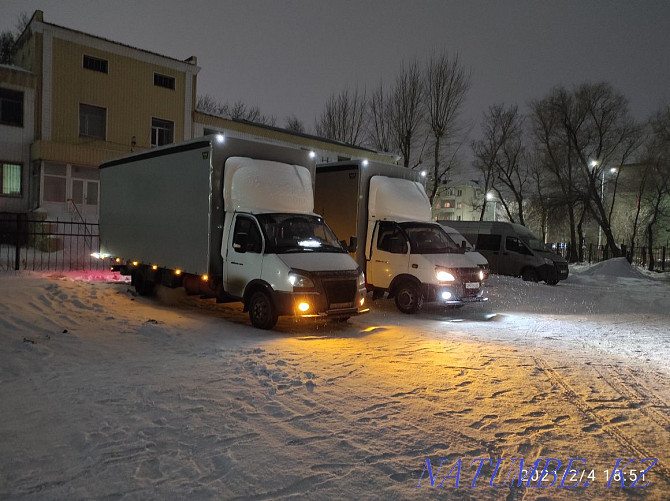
x,y
262,312
143,285
408,297
530,275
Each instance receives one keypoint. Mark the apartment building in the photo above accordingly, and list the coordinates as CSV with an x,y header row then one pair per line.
x,y
83,100
461,202
72,100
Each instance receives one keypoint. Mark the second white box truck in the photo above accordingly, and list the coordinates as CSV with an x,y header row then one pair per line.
x,y
405,255
231,219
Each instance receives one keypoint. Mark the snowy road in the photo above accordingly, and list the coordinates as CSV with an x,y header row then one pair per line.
x,y
105,395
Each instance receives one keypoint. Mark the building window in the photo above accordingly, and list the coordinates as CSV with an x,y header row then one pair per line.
x,y
459,205
95,64
11,107
92,121
54,183
163,81
460,193
162,132
449,204
10,179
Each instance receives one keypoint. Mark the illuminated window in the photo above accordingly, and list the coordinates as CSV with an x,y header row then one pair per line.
x,y
162,132
10,179
92,121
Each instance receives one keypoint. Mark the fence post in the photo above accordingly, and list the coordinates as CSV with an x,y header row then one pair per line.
x,y
663,259
18,242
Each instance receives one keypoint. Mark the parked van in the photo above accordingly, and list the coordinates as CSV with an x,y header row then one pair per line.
x,y
512,249
460,239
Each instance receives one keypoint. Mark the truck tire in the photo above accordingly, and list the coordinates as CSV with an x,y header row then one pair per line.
x,y
530,275
144,285
408,298
262,312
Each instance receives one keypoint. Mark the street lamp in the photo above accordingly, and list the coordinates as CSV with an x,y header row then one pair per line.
x,y
492,198
594,164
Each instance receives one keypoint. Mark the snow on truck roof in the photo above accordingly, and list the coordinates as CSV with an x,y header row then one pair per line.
x,y
264,185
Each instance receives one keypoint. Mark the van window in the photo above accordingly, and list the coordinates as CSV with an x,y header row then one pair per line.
x,y
513,244
247,235
488,242
391,239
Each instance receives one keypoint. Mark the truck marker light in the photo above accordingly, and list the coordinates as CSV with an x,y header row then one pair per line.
x,y
220,138
365,163
481,275
177,272
312,154
303,306
135,263
205,278
362,301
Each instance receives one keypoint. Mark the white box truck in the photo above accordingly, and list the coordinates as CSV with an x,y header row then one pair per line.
x,y
231,219
404,254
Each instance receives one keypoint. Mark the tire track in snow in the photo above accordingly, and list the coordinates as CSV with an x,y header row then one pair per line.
x,y
588,410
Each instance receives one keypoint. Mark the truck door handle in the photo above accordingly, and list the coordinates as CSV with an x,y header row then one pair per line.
x,y
238,264
378,261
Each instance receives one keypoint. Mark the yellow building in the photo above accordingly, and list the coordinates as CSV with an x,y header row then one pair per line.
x,y
94,100
83,100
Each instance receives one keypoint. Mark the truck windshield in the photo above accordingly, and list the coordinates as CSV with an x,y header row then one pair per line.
x,y
426,238
297,233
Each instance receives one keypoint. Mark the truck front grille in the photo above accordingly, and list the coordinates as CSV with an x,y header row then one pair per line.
x,y
340,293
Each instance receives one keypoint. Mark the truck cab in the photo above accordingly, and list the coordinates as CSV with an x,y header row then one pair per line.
x,y
405,255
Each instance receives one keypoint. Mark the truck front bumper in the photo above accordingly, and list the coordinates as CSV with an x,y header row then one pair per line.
x,y
457,293
316,305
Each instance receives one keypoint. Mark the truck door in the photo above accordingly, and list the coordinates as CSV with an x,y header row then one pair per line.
x,y
244,260
389,254
516,257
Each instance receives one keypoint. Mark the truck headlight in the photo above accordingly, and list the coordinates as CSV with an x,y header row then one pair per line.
x,y
548,261
297,280
481,275
443,275
361,280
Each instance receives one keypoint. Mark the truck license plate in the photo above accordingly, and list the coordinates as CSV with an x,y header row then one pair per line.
x,y
472,285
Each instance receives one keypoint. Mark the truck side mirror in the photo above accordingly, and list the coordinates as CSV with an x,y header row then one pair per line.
x,y
353,244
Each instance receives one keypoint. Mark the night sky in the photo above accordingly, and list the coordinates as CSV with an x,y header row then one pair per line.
x,y
287,57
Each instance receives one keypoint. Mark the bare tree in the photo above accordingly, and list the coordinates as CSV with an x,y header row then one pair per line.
x,y
603,135
381,120
446,84
658,159
344,117
554,147
8,38
498,156
237,111
294,124
407,105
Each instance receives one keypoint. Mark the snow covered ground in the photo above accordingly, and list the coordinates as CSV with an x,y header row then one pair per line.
x,y
106,395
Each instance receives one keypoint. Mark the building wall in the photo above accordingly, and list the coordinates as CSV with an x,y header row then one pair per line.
x,y
460,203
15,140
127,92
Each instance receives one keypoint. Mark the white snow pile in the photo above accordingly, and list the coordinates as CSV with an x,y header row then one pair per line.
x,y
612,269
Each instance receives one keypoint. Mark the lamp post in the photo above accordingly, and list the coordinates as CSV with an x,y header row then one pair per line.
x,y
594,164
492,198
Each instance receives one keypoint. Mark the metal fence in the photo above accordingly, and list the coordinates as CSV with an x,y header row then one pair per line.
x,y
35,244
639,256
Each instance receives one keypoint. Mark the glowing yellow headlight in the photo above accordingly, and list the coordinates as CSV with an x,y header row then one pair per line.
x,y
444,276
303,306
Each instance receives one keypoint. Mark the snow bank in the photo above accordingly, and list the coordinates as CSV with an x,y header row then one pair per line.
x,y
613,268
